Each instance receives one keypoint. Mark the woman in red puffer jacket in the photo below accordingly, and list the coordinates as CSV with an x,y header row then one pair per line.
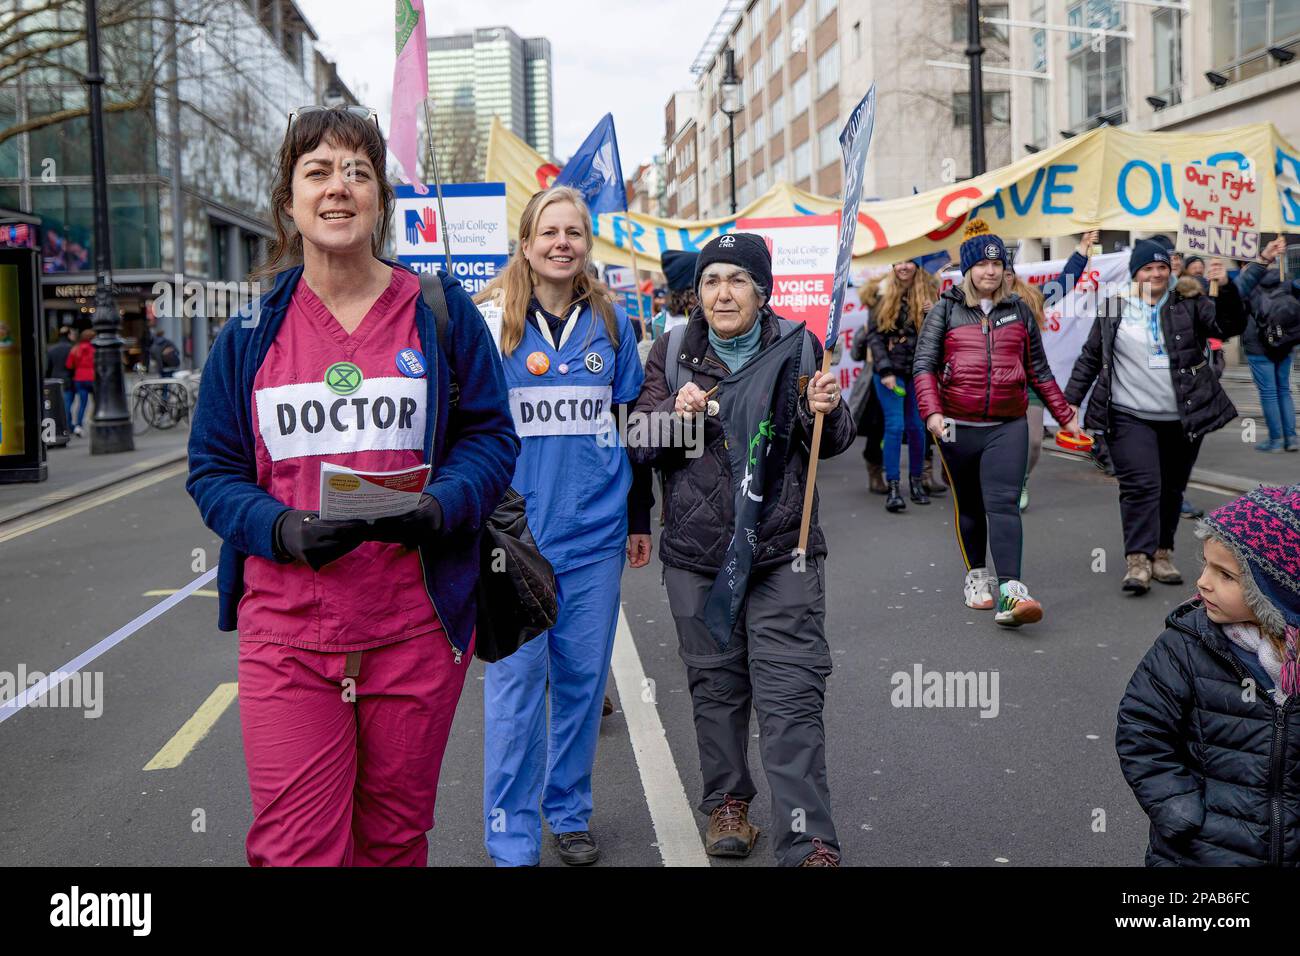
x,y
978,354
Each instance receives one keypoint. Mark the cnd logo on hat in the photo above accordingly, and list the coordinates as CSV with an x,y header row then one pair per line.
x,y
991,251
727,241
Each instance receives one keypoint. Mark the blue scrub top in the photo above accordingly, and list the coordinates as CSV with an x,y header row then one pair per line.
x,y
573,471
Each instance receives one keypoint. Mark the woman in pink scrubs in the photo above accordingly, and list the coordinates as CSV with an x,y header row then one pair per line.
x,y
354,636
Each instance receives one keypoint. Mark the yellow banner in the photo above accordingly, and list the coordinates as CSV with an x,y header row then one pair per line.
x,y
1107,178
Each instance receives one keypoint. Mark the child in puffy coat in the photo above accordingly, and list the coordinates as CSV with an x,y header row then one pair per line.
x,y
1208,734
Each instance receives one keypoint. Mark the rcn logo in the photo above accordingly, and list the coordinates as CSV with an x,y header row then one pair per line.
x,y
421,228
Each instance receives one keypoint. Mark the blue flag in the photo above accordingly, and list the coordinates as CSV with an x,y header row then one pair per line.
x,y
854,141
595,171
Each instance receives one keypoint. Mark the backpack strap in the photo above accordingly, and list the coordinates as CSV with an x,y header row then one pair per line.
x,y
435,297
672,370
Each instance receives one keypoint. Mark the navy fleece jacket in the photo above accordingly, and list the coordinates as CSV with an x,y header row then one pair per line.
x,y
473,460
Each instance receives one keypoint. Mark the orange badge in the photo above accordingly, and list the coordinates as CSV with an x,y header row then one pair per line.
x,y
538,363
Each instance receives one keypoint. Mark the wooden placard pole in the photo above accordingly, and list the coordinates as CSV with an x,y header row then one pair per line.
x,y
813,450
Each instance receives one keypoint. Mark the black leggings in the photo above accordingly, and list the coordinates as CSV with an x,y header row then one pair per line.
x,y
986,469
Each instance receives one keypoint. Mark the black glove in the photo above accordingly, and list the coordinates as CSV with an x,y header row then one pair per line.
x,y
306,536
411,529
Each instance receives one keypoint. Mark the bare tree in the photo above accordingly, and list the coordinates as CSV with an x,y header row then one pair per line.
x,y
42,45
461,146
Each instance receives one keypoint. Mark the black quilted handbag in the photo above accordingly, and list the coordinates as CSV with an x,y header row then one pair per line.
x,y
516,592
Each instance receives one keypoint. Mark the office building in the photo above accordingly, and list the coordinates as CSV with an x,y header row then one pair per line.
x,y
803,67
490,71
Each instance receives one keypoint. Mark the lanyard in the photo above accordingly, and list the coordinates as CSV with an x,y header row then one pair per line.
x,y
1153,322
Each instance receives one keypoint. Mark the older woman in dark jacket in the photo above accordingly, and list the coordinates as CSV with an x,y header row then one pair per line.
x,y
1155,397
777,659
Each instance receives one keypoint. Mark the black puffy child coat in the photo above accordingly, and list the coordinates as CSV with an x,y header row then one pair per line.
x,y
1218,774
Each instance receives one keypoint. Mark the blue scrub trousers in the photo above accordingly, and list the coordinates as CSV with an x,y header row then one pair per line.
x,y
523,764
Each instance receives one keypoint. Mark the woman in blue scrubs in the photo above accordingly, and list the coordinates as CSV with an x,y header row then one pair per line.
x,y
569,354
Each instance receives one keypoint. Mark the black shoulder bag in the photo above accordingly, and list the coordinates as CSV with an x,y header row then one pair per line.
x,y
516,590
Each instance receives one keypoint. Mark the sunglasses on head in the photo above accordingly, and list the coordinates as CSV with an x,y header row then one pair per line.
x,y
365,112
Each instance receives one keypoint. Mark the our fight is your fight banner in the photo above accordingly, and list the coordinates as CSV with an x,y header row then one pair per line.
x,y
1107,178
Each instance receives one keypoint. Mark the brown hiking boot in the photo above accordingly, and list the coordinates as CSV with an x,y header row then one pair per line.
x,y
1137,575
821,856
933,476
876,479
730,832
1163,570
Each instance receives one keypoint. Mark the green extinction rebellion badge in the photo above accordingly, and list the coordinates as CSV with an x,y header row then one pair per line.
x,y
343,378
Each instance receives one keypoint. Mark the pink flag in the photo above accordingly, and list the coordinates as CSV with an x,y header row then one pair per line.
x,y
410,88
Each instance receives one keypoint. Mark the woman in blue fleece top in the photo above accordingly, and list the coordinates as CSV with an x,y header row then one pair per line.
x,y
352,633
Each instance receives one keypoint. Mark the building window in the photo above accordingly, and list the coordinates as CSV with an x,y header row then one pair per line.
x,y
1038,38
988,31
799,30
1098,78
828,143
1168,59
777,112
997,108
828,68
778,170
824,9
742,141
1093,15
776,53
1242,31
1040,108
760,132
803,160
800,94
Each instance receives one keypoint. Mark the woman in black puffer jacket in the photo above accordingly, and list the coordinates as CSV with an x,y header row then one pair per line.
x,y
1208,734
1156,397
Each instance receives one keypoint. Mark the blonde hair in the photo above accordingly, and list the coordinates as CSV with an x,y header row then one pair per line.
x,y
920,294
1032,296
515,283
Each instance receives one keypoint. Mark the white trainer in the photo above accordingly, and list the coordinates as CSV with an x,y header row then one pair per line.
x,y
976,590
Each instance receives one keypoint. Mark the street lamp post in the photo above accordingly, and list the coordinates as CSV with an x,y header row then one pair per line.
x,y
975,51
110,428
731,105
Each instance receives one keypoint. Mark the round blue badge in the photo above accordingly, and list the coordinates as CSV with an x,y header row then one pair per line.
x,y
411,363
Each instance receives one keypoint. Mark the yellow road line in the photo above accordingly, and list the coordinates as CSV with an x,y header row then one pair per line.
x,y
59,512
164,592
194,729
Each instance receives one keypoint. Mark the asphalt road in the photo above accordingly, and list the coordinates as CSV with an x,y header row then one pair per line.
x,y
1037,784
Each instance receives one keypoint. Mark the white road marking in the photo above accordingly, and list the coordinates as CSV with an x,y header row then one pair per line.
x,y
57,513
10,707
670,811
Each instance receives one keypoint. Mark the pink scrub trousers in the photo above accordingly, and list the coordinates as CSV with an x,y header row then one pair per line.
x,y
346,775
